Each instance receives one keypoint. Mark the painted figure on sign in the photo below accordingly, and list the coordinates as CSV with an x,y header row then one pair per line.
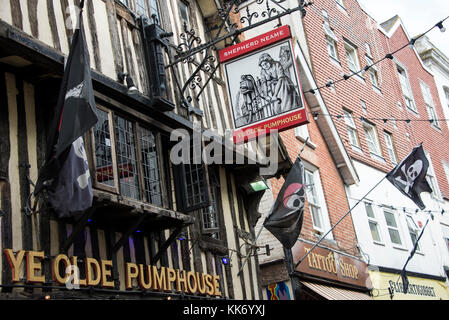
x,y
249,106
277,87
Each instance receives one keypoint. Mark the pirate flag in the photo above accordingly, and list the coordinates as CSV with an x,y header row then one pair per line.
x,y
65,173
409,176
285,220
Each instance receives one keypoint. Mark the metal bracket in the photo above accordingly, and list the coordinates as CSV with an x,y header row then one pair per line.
x,y
190,44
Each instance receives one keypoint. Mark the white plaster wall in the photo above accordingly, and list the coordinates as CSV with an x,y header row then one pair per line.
x,y
430,260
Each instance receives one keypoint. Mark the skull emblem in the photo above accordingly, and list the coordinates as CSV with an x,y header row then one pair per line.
x,y
411,173
294,196
414,170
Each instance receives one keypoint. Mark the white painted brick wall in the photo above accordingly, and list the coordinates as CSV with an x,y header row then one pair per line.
x,y
266,237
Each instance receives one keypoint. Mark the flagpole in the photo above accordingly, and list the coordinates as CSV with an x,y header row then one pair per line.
x,y
412,253
338,222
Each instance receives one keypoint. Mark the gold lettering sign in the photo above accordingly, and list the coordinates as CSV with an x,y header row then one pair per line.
x,y
65,270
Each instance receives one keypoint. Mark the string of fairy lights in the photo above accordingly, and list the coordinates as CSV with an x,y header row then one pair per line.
x,y
403,209
315,115
389,56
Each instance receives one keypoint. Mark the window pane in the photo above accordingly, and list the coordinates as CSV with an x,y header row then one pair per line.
x,y
310,189
103,151
195,183
374,231
369,210
150,166
126,157
391,221
154,10
316,217
184,12
394,236
348,119
209,214
141,7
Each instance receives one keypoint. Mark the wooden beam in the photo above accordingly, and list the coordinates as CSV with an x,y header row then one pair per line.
x,y
32,16
16,13
166,244
136,223
53,26
82,222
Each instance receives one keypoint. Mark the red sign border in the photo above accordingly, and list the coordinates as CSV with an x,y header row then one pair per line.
x,y
254,44
253,131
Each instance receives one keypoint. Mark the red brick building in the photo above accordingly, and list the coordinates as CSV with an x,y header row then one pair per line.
x,y
381,114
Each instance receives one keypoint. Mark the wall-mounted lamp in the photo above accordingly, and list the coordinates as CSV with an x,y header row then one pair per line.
x,y
182,236
256,185
129,82
225,260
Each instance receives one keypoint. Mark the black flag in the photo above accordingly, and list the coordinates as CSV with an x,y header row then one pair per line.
x,y
285,220
65,166
409,176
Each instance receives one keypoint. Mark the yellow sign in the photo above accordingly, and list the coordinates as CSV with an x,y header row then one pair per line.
x,y
65,272
419,288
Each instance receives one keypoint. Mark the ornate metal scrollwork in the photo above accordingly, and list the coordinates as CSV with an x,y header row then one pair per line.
x,y
191,45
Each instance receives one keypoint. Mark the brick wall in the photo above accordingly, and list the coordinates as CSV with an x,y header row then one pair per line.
x,y
355,26
319,156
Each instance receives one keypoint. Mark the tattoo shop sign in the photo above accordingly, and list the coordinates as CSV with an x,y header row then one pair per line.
x,y
263,85
65,271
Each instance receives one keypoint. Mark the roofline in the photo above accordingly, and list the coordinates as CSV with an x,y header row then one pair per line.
x,y
398,23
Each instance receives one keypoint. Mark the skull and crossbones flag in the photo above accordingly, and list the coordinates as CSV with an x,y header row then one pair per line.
x,y
285,220
409,176
65,173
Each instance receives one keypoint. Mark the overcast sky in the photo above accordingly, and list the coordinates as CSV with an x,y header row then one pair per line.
x,y
418,16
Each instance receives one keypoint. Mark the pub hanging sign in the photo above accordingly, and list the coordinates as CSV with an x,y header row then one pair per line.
x,y
263,85
65,271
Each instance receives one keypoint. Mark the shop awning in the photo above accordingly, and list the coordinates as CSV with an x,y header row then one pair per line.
x,y
332,293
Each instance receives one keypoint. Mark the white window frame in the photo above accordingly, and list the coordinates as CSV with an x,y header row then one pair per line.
x,y
393,228
390,147
317,202
352,57
373,221
445,232
372,139
341,3
373,73
446,93
406,88
413,229
331,45
430,106
302,132
432,180
331,38
352,129
446,170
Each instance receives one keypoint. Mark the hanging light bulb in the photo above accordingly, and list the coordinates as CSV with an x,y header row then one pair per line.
x,y
412,43
440,25
365,70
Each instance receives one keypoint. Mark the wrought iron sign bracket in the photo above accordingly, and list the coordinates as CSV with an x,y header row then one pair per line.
x,y
190,44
